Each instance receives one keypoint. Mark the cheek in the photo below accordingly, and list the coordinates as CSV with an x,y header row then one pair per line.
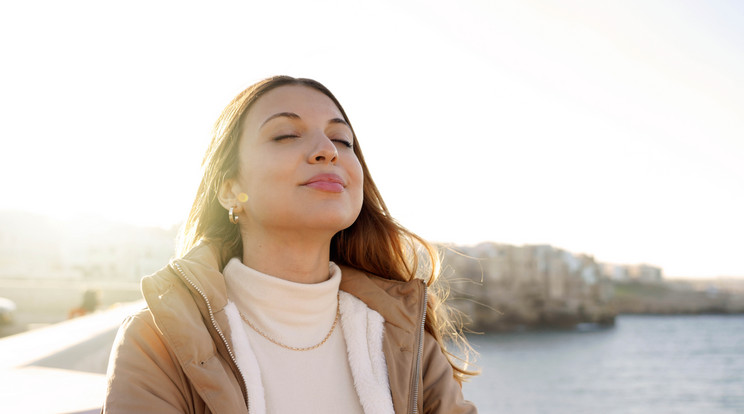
x,y
358,177
260,175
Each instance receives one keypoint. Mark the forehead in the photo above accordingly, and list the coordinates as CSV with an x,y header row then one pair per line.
x,y
307,102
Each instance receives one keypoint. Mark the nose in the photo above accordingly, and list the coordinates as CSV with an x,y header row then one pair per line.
x,y
324,152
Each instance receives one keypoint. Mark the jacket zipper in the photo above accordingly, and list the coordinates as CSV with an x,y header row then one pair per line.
x,y
216,327
417,371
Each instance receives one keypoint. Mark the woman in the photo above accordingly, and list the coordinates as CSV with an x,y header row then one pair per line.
x,y
296,291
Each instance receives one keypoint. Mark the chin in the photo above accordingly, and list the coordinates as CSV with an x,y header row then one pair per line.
x,y
335,226
331,222
334,217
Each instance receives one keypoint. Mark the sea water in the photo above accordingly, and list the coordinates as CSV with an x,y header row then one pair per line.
x,y
644,364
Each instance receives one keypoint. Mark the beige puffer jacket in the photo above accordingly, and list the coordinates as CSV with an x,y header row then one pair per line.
x,y
176,356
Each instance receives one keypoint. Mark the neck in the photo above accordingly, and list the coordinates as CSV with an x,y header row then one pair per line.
x,y
291,257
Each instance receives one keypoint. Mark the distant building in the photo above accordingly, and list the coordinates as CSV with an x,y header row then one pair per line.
x,y
645,273
617,273
642,273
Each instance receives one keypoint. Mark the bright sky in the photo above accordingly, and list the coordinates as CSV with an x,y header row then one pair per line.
x,y
611,128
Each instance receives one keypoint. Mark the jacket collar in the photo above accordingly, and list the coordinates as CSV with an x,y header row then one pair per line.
x,y
204,271
398,302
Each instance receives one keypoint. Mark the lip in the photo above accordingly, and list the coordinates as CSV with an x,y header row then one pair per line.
x,y
330,183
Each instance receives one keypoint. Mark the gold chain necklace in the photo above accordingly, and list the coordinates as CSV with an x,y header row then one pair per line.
x,y
293,348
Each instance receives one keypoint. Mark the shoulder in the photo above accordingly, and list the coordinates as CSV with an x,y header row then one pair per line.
x,y
144,374
140,337
138,344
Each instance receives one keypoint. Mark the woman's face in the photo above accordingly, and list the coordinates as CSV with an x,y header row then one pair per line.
x,y
297,165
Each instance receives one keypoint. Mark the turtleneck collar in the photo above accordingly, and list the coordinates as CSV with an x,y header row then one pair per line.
x,y
296,314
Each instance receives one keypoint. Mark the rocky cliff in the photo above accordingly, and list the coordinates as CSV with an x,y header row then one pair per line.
x,y
506,287
501,287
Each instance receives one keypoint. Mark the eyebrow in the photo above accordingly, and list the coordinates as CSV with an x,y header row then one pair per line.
x,y
339,121
293,115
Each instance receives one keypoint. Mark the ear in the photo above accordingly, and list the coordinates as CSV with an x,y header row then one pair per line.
x,y
228,195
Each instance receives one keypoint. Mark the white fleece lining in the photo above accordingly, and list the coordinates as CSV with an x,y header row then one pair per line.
x,y
246,360
363,329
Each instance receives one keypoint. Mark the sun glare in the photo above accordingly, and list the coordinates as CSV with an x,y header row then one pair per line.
x,y
608,129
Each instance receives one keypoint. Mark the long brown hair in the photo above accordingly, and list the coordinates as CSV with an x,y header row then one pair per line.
x,y
375,243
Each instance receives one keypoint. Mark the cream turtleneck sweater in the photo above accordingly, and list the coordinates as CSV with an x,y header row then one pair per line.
x,y
298,315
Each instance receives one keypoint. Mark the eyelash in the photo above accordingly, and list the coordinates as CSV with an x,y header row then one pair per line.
x,y
281,137
343,142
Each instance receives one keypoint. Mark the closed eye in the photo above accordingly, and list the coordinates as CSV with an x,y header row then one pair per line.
x,y
281,137
343,142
